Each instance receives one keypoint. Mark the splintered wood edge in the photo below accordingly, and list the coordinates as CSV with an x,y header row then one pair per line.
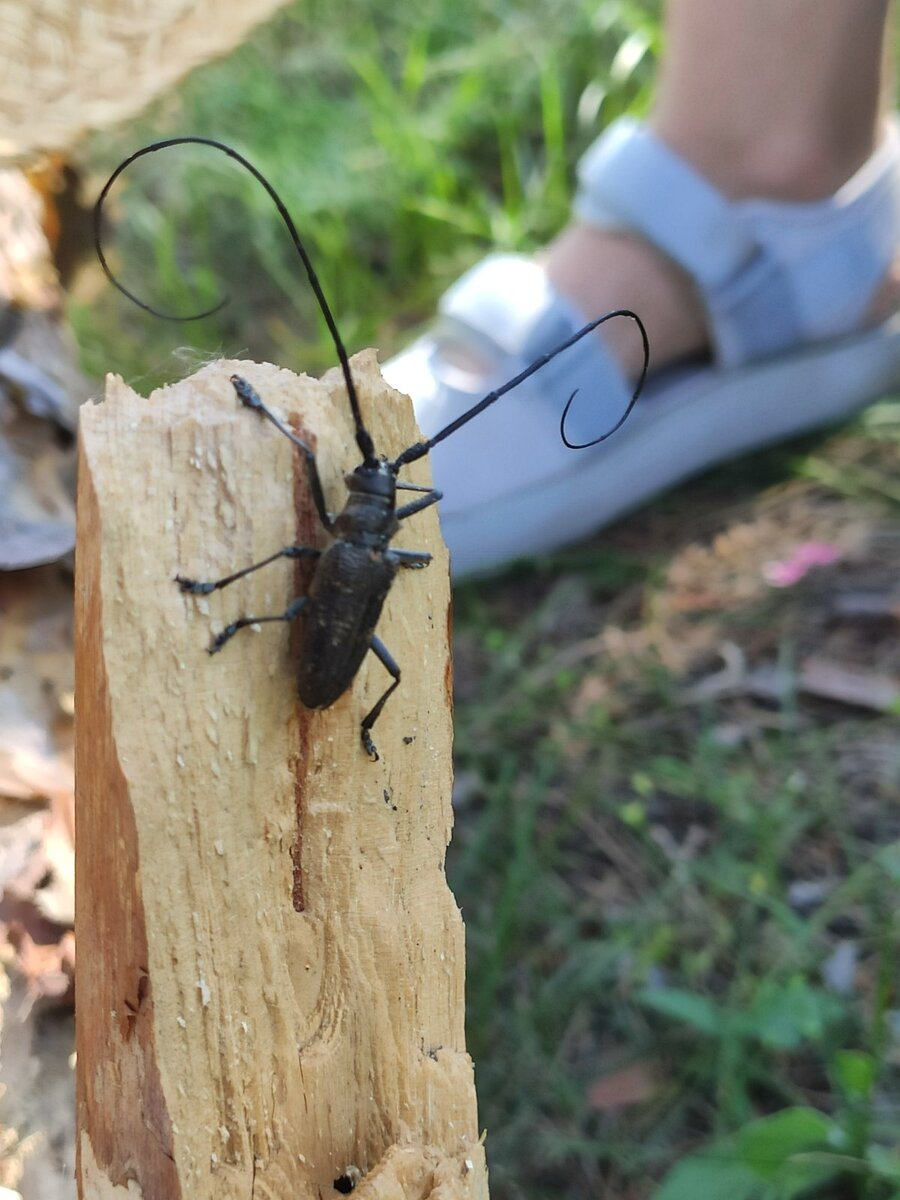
x,y
271,965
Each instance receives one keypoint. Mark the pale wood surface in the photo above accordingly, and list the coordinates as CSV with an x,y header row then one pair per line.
x,y
71,67
270,963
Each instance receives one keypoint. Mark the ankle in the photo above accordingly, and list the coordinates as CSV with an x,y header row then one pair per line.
x,y
599,270
791,165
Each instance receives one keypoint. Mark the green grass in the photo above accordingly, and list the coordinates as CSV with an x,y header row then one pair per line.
x,y
621,860
405,141
623,871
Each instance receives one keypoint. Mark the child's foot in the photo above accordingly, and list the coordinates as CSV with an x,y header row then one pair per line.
x,y
601,269
778,310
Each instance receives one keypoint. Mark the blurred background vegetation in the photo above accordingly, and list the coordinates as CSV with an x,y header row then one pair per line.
x,y
680,902
404,143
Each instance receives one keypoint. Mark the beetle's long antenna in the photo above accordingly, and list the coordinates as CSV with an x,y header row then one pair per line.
x,y
363,438
420,449
638,387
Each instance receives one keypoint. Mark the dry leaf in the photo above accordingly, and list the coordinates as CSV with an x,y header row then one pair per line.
x,y
828,680
621,1089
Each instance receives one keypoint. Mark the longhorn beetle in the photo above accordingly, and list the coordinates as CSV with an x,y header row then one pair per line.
x,y
354,573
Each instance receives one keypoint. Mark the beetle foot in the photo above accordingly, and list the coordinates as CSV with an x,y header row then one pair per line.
x,y
369,745
194,586
221,638
245,392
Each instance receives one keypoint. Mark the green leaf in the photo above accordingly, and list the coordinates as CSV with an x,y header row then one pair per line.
x,y
713,1175
884,1162
889,859
686,1007
628,57
854,1073
768,1145
783,1017
773,1158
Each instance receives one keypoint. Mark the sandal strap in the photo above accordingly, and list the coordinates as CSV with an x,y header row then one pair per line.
x,y
506,311
773,275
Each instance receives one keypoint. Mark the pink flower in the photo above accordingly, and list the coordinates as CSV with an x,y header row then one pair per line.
x,y
791,570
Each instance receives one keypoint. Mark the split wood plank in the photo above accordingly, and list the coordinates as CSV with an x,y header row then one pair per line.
x,y
270,984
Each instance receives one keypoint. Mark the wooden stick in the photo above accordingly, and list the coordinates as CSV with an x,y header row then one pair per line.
x,y
270,963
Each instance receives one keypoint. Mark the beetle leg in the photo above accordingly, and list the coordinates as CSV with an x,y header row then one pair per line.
x,y
197,588
383,655
250,399
414,506
408,558
294,609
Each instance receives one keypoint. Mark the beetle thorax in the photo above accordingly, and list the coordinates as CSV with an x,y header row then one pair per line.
x,y
368,515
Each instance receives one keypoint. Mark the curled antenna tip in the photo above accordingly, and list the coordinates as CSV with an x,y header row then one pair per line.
x,y
101,255
422,448
638,387
363,438
562,423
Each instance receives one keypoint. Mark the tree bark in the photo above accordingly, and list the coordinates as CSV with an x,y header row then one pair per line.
x,y
270,985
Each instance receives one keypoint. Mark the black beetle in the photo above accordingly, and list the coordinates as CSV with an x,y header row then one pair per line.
x,y
354,573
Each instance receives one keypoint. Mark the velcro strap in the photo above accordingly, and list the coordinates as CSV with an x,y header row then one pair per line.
x,y
773,275
630,179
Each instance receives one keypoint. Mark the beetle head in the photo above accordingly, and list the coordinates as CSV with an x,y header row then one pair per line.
x,y
375,477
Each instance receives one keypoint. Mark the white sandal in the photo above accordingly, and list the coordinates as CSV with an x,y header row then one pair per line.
x,y
786,287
